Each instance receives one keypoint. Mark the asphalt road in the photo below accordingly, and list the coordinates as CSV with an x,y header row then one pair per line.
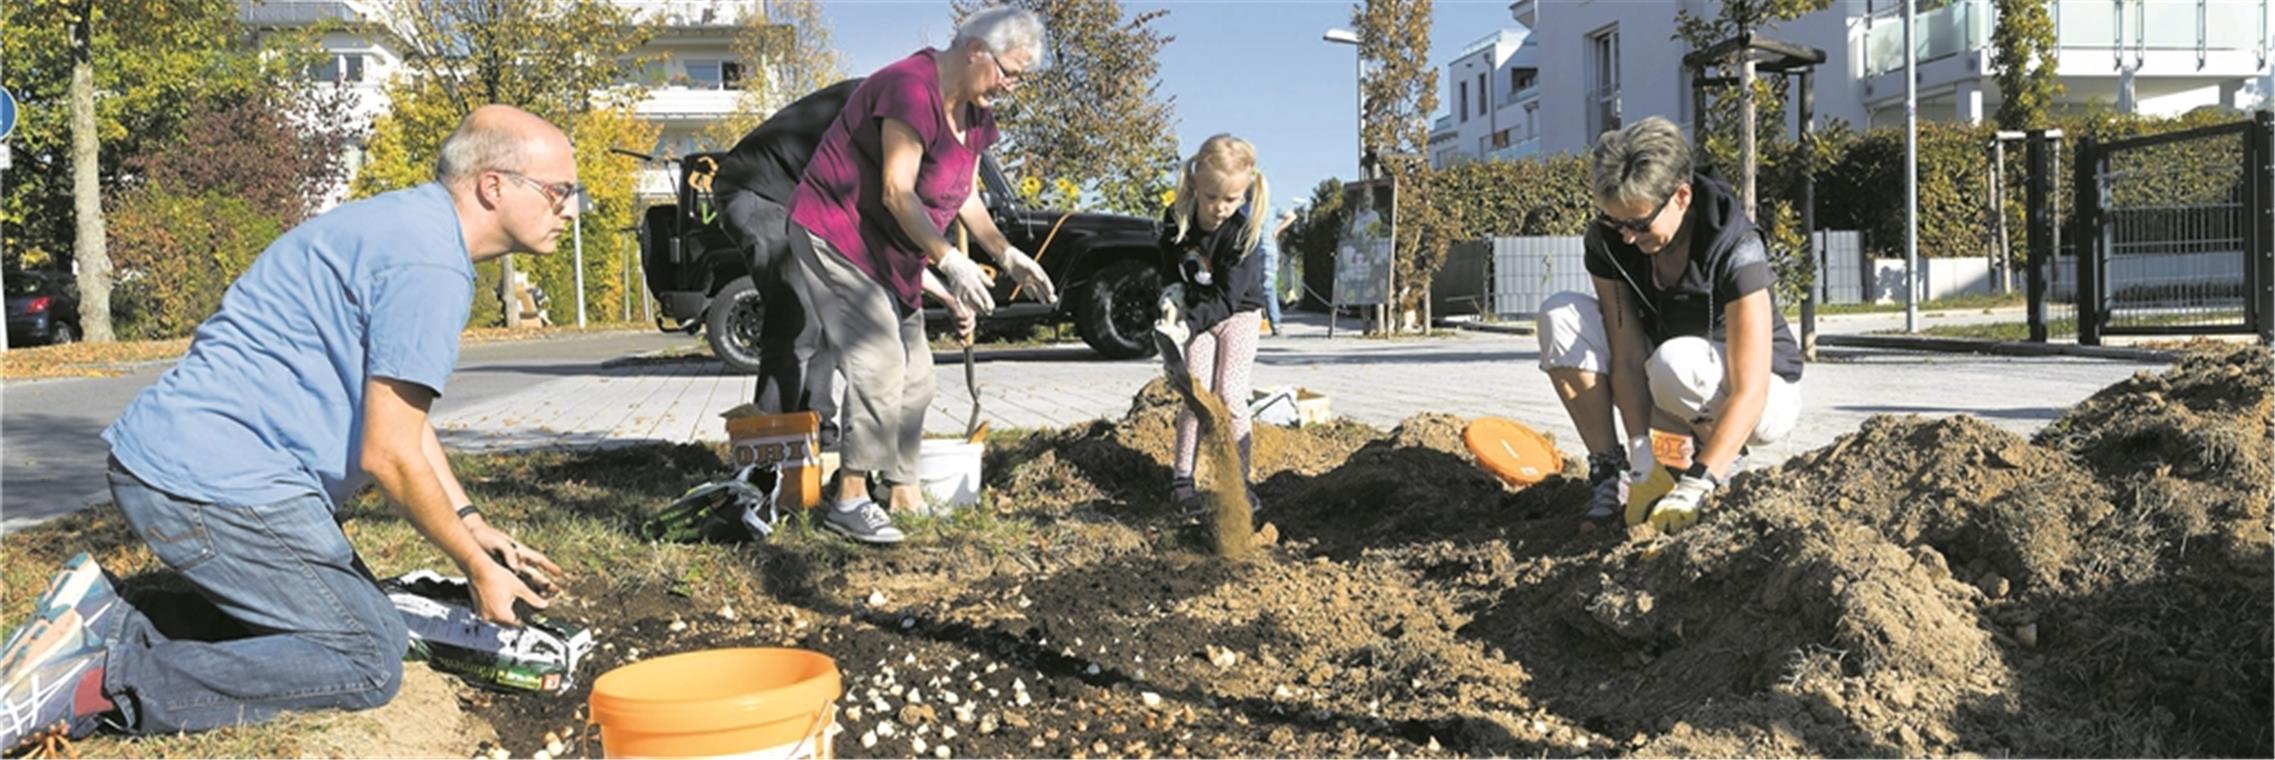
x,y
52,453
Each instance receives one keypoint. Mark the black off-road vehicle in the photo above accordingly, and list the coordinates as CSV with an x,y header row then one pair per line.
x,y
1103,265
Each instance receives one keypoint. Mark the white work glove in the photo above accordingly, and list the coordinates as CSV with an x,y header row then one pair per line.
x,y
1681,506
966,282
1640,460
1172,321
1028,274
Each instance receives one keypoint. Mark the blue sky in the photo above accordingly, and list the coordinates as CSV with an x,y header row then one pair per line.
x,y
1255,68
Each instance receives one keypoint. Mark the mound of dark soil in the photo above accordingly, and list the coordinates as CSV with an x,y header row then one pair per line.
x,y
1919,587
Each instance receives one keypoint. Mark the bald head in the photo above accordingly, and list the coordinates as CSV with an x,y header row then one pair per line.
x,y
497,138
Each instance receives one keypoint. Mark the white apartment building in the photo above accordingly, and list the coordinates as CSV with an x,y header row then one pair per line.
x,y
1492,100
693,78
1599,63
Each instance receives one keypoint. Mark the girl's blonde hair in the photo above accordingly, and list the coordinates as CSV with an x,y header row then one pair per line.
x,y
1232,156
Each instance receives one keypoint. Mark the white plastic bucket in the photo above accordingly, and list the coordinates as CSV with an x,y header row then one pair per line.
x,y
949,471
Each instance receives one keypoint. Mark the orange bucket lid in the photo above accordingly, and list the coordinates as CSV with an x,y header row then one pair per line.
x,y
1517,454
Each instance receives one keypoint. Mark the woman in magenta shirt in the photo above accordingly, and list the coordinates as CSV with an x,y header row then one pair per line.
x,y
898,164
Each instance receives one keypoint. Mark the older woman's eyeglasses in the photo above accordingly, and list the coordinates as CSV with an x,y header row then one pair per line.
x,y
1009,76
1637,226
558,193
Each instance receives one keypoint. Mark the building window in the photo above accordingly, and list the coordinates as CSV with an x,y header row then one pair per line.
x,y
1464,110
1603,74
1484,95
731,75
345,68
706,73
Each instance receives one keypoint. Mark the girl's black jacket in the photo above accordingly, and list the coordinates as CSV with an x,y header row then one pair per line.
x,y
1237,275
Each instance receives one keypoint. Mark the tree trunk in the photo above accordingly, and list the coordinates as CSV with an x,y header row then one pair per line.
x,y
90,251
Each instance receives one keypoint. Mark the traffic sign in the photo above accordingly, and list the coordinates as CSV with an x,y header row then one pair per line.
x,y
7,113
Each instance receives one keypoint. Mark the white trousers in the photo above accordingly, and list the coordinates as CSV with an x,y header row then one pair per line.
x,y
1687,377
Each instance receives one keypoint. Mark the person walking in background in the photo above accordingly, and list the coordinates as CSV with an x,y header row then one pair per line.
x,y
1270,248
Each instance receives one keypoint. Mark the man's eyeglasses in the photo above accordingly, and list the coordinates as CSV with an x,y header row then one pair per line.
x,y
1637,226
1008,76
558,193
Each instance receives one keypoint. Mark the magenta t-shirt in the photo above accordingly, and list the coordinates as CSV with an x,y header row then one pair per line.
x,y
841,197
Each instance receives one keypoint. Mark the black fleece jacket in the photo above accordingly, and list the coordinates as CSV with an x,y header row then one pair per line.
x,y
1236,274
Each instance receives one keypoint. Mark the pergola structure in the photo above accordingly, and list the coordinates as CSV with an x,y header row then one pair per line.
x,y
1753,52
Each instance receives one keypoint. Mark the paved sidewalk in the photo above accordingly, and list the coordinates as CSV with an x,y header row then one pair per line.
x,y
1377,382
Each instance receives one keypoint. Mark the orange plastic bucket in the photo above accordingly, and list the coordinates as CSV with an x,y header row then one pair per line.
x,y
752,702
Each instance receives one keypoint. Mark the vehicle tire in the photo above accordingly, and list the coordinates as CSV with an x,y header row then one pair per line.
x,y
732,324
1118,307
63,333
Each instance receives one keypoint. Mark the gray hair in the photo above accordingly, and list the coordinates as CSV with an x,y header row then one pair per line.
x,y
1003,29
477,146
1641,163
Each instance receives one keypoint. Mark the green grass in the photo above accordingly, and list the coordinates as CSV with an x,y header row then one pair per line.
x,y
581,508
1941,304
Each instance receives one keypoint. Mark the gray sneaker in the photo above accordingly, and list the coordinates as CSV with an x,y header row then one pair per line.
x,y
1607,489
866,523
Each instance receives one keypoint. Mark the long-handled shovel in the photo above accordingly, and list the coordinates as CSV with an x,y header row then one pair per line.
x,y
974,430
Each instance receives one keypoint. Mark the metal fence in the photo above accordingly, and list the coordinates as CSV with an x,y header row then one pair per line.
x,y
2175,232
1511,276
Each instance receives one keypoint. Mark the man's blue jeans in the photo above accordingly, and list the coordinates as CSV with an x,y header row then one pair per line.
x,y
1271,283
323,634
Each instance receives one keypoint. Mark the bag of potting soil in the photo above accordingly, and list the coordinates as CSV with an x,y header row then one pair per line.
x,y
741,508
541,655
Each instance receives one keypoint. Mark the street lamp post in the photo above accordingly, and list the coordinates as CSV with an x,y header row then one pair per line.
x,y
1343,36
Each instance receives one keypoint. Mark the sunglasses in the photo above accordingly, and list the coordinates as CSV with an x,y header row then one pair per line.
x,y
1637,226
1008,76
558,193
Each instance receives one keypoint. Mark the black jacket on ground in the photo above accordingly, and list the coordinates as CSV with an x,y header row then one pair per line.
x,y
770,159
1728,260
1236,274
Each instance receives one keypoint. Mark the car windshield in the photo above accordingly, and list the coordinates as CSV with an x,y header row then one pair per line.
x,y
24,284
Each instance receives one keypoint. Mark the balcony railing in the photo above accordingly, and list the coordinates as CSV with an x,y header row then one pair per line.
x,y
1510,37
690,12
296,12
2079,25
1521,149
1952,29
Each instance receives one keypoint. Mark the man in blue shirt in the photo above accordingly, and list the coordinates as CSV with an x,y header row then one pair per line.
x,y
315,375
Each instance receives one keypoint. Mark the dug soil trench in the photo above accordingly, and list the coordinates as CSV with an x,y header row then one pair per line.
x,y
1919,587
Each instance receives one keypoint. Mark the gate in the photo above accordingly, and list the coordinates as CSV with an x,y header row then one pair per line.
x,y
2175,233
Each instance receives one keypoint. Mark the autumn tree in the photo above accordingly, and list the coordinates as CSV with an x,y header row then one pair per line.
x,y
788,53
1397,95
153,61
558,59
198,208
2026,60
1093,114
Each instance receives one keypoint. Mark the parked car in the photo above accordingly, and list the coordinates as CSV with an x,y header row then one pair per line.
x,y
1103,265
43,307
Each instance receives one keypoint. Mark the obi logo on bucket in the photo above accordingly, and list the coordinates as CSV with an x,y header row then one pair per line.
x,y
784,452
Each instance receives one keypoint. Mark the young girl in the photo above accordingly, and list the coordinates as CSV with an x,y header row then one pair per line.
x,y
1216,284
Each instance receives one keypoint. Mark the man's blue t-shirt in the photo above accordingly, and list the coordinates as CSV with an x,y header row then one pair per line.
x,y
268,404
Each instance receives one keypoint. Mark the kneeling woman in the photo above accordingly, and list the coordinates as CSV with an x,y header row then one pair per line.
x,y
1682,333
